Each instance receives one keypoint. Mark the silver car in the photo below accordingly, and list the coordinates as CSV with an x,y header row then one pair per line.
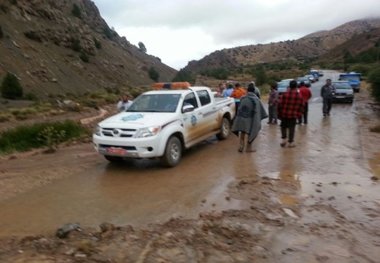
x,y
282,86
343,91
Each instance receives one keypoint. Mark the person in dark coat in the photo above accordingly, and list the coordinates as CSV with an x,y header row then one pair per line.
x,y
247,122
327,91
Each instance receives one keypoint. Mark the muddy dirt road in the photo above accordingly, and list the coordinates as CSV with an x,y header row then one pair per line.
x,y
318,202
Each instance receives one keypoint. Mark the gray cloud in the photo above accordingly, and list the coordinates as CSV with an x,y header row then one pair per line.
x,y
230,22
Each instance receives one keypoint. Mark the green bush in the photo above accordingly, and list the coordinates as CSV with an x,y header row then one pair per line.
x,y
75,44
84,57
11,87
98,45
374,79
183,75
108,32
33,36
24,138
76,11
153,74
4,8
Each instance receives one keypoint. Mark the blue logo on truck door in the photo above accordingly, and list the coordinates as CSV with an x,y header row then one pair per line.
x,y
193,120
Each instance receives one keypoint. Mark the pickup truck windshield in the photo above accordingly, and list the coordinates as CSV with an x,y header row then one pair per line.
x,y
155,103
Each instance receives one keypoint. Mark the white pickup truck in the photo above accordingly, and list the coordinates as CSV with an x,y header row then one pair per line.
x,y
162,123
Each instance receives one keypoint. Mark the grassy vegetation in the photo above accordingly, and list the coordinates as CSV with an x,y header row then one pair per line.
x,y
24,138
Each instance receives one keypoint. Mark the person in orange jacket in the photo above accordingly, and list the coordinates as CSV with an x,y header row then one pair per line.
x,y
238,92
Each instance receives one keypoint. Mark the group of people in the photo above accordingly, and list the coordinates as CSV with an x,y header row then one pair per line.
x,y
291,107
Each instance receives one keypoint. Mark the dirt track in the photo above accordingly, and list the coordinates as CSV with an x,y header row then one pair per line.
x,y
322,206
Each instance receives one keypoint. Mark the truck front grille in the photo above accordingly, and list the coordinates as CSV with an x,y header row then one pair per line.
x,y
115,132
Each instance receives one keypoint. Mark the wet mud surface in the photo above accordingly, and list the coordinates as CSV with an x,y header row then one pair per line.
x,y
317,202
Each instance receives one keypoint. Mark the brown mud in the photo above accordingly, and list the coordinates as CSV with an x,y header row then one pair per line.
x,y
317,202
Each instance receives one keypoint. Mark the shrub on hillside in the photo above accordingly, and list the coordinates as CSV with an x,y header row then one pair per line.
x,y
11,87
75,44
374,79
76,11
183,75
98,44
153,74
84,57
38,135
33,36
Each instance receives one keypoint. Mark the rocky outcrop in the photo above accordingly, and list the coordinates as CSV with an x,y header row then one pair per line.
x,y
310,46
69,42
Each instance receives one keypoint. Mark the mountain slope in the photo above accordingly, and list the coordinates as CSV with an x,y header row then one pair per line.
x,y
310,46
46,45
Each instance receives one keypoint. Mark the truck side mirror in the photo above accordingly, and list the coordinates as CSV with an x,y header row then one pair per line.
x,y
187,108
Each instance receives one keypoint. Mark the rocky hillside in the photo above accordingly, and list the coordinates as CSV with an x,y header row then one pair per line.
x,y
354,46
60,47
310,46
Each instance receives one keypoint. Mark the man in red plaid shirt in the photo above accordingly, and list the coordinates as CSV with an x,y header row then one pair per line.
x,y
290,108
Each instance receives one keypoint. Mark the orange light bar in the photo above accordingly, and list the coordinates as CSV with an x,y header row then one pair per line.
x,y
171,85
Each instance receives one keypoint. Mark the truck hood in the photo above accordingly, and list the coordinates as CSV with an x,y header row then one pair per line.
x,y
136,120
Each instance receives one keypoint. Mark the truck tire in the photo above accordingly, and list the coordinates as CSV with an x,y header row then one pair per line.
x,y
173,152
113,159
225,129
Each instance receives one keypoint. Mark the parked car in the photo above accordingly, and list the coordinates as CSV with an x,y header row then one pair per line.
x,y
304,79
353,78
311,78
315,75
343,91
283,85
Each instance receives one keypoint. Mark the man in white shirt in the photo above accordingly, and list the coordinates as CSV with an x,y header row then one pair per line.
x,y
124,103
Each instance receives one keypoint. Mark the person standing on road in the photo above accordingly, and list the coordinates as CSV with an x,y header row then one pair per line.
x,y
247,122
228,91
327,91
238,93
290,107
257,91
220,90
306,95
124,103
272,104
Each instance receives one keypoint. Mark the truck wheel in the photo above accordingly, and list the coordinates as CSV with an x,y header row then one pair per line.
x,y
225,129
113,159
173,152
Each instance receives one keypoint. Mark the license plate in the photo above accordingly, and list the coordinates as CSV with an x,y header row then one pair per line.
x,y
339,97
116,150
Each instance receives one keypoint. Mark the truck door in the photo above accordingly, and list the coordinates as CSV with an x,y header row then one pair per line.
x,y
208,111
193,120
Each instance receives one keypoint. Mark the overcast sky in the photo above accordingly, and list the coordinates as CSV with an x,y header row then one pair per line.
x,y
178,31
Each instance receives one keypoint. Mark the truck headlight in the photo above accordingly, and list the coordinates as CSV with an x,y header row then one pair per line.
x,y
98,130
147,132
